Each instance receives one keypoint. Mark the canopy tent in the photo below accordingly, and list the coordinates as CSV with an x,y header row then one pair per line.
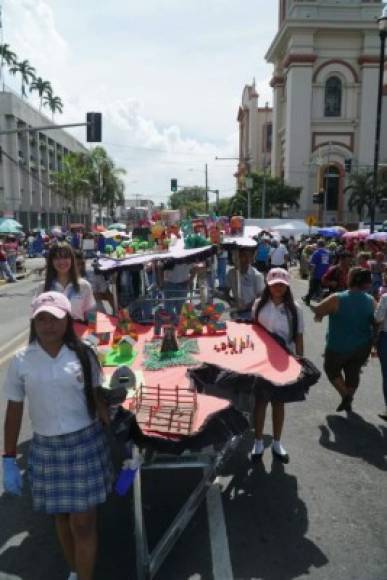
x,y
117,226
176,253
10,226
295,228
108,234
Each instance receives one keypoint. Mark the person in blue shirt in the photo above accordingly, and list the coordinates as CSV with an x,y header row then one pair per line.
x,y
350,335
319,263
262,255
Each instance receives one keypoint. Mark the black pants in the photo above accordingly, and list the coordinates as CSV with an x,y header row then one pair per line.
x,y
314,288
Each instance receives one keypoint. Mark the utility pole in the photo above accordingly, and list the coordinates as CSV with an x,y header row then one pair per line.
x,y
206,178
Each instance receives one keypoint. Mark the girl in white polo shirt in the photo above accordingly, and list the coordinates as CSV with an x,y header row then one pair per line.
x,y
69,462
62,276
280,315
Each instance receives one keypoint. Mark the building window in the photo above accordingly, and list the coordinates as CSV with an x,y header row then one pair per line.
x,y
333,97
331,187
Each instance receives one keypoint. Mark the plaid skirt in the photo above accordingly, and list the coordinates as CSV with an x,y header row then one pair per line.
x,y
70,473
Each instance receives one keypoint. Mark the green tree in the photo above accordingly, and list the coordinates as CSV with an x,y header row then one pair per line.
x,y
191,200
224,206
360,191
27,74
106,180
278,196
43,88
55,104
72,182
8,57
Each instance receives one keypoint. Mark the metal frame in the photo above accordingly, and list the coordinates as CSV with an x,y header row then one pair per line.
x,y
148,563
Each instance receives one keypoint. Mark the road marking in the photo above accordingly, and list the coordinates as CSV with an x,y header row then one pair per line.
x,y
14,345
221,562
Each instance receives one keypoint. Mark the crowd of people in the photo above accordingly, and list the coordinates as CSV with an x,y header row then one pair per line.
x,y
70,466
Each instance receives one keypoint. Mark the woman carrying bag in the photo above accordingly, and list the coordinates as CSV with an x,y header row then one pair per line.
x,y
69,463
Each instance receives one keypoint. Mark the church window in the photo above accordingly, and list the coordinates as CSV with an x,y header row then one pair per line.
x,y
333,96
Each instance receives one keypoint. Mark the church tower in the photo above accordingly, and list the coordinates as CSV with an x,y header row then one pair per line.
x,y
325,82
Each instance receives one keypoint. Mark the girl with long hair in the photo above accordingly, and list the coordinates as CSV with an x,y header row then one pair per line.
x,y
278,313
62,276
69,462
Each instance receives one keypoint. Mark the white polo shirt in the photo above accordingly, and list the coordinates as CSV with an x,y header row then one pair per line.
x,y
276,319
81,302
53,387
277,255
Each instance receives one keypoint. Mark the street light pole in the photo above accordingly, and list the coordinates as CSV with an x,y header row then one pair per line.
x,y
383,34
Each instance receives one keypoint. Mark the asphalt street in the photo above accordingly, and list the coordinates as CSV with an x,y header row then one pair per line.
x,y
322,516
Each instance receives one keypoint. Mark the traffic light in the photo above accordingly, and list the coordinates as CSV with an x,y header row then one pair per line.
x,y
318,198
94,127
174,185
348,165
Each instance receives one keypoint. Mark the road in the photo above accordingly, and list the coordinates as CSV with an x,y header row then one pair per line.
x,y
322,516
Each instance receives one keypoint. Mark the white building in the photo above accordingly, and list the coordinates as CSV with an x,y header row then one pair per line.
x,y
325,83
255,134
26,163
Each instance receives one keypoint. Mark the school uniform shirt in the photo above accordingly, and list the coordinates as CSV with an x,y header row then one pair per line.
x,y
53,387
278,320
81,302
251,285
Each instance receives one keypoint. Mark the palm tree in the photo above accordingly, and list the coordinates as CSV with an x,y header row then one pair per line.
x,y
55,104
27,73
72,182
7,57
361,192
107,186
42,87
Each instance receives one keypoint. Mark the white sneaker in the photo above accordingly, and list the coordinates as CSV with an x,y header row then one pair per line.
x,y
73,576
258,448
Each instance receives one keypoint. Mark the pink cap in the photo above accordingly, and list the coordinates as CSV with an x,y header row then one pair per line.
x,y
54,303
277,276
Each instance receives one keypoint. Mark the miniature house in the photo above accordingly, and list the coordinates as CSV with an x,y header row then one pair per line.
x,y
125,347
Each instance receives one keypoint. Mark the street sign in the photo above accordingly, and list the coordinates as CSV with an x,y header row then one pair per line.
x,y
311,220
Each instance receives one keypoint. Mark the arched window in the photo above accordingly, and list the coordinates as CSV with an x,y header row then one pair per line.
x,y
331,187
333,96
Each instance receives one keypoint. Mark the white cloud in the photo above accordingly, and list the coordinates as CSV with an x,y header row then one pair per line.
x,y
168,108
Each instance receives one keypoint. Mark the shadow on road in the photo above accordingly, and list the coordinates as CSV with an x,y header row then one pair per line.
x,y
355,437
267,523
28,546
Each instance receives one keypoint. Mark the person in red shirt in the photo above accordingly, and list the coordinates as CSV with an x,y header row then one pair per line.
x,y
336,276
4,266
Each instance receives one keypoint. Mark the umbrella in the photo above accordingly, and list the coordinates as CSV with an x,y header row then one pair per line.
x,y
10,226
329,233
378,237
99,229
118,226
356,235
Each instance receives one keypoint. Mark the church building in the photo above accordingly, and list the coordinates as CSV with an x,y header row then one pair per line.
x,y
326,56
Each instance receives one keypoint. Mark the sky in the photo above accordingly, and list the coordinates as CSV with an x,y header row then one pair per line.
x,y
167,75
